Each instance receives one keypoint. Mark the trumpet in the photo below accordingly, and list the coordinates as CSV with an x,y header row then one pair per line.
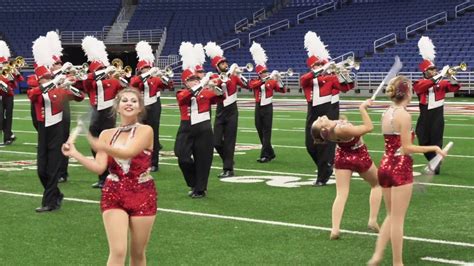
x,y
18,62
347,64
288,73
79,71
168,72
121,70
248,67
453,70
7,71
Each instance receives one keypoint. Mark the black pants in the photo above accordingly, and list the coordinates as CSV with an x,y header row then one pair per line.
x,y
6,116
430,128
33,116
66,128
50,140
322,154
101,120
194,149
225,133
263,123
153,114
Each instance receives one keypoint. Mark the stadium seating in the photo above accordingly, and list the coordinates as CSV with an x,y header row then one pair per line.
x,y
354,27
23,21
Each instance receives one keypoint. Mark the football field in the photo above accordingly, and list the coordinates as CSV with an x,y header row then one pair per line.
x,y
268,214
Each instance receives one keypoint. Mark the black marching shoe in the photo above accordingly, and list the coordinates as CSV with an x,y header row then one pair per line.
x,y
319,183
60,199
154,168
198,194
98,184
47,209
263,160
226,173
62,179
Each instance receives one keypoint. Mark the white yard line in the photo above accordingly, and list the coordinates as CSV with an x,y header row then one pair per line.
x,y
445,261
259,221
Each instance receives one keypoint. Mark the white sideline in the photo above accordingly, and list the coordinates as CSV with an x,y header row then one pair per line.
x,y
270,172
259,221
455,262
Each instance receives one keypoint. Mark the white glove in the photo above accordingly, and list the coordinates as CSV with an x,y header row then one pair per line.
x,y
444,71
66,66
232,68
274,74
110,69
59,79
205,79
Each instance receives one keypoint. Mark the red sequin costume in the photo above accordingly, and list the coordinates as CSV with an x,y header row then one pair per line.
x,y
395,169
129,186
352,155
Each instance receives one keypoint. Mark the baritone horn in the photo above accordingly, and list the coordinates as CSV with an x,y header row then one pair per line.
x,y
453,70
6,71
121,70
18,62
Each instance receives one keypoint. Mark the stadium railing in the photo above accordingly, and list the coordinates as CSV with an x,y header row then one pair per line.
x,y
389,38
269,29
315,11
423,24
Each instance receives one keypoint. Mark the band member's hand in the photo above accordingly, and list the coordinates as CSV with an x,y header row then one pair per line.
x,y
441,152
68,149
367,103
444,71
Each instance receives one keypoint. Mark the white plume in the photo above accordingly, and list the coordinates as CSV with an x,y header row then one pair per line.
x,y
258,54
199,53
315,46
4,50
95,50
213,50
54,43
186,50
145,52
42,52
427,49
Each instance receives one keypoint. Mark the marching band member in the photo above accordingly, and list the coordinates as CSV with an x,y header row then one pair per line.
x,y
57,69
351,156
150,85
128,201
263,88
396,169
8,84
431,90
102,89
318,89
227,114
194,141
48,100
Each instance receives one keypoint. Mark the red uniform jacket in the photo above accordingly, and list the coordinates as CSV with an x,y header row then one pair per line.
x,y
49,106
319,92
101,93
229,88
263,92
151,89
12,84
344,87
196,108
432,94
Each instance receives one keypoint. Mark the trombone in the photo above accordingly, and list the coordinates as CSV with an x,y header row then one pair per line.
x,y
120,69
454,70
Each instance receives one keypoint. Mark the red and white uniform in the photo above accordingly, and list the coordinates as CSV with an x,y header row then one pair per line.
x,y
229,88
432,94
151,88
319,90
196,108
11,84
344,87
263,91
102,92
49,106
